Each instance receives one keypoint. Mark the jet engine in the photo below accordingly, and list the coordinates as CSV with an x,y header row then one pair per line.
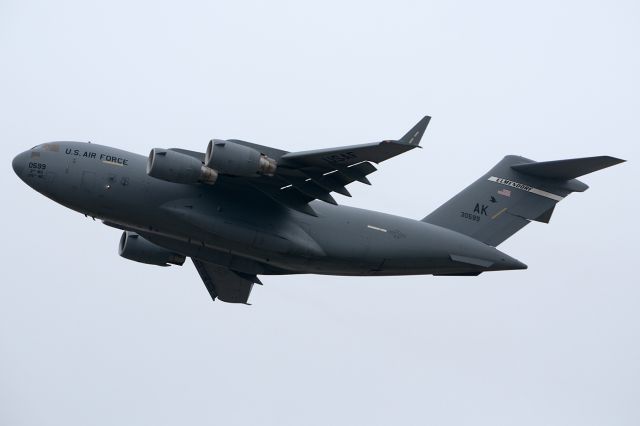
x,y
176,167
238,160
133,247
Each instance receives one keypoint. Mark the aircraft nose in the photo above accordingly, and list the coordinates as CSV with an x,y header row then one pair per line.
x,y
19,163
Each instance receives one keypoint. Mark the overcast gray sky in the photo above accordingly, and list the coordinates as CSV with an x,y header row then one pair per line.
x,y
87,337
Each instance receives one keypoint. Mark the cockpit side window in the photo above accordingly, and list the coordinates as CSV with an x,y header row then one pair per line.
x,y
51,146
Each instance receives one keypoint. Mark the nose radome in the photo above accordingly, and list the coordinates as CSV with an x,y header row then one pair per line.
x,y
19,163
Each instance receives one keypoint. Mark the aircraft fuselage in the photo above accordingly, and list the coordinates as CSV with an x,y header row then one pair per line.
x,y
239,226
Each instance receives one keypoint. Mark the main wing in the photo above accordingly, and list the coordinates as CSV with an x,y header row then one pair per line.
x,y
317,173
308,175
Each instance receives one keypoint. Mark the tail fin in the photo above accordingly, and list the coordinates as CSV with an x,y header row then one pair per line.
x,y
513,193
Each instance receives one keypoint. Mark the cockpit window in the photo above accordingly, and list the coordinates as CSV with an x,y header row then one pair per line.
x,y
47,147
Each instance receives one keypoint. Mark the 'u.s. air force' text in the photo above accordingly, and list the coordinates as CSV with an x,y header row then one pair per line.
x,y
102,157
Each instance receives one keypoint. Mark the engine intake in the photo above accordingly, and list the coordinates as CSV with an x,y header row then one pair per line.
x,y
133,247
238,160
176,167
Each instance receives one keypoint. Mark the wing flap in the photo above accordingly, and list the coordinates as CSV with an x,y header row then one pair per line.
x,y
310,188
224,284
329,183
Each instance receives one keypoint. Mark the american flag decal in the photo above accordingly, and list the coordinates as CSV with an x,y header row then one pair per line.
x,y
505,192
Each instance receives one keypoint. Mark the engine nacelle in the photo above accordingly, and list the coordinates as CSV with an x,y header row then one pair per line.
x,y
133,247
175,167
238,160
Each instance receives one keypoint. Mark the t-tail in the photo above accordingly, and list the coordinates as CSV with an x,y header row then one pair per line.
x,y
513,193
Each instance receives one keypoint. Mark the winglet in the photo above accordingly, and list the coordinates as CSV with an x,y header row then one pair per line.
x,y
414,135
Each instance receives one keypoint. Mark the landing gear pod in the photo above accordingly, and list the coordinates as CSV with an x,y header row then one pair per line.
x,y
176,167
238,160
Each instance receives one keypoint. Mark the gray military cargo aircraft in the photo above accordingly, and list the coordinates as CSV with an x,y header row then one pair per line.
x,y
240,210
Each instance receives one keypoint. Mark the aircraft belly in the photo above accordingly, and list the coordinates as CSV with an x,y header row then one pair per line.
x,y
238,230
360,242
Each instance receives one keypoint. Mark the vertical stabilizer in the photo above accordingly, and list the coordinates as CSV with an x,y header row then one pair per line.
x,y
513,193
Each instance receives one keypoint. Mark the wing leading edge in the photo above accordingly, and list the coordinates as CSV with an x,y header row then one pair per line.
x,y
305,176
376,152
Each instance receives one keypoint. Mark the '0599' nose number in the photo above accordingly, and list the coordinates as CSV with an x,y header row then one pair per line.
x,y
37,166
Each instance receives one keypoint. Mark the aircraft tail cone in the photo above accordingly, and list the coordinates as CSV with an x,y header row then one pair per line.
x,y
507,263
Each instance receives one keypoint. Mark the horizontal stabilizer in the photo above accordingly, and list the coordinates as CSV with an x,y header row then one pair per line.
x,y
567,169
513,193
